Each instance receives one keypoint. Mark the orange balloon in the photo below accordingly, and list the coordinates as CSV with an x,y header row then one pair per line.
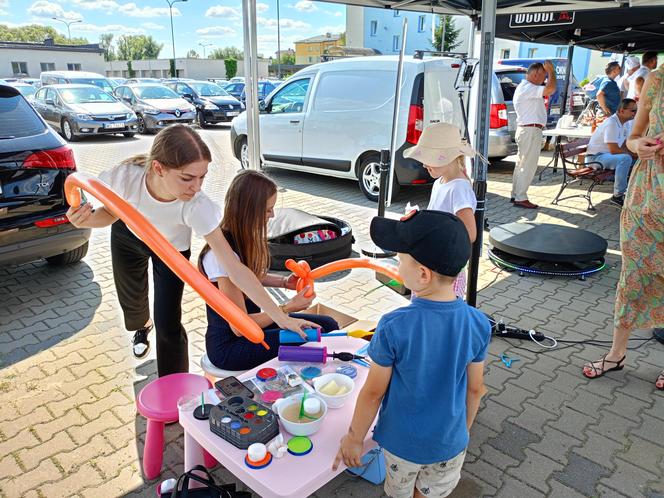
x,y
180,265
307,275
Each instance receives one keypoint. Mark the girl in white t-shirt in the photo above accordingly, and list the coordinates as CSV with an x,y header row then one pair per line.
x,y
442,151
249,204
165,186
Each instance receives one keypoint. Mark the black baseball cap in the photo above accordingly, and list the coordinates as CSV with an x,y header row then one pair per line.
x,y
434,239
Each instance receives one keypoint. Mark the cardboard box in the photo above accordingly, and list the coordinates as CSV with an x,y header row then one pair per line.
x,y
346,322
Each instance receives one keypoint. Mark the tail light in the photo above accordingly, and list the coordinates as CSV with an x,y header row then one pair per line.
x,y
415,123
418,182
60,158
52,222
498,116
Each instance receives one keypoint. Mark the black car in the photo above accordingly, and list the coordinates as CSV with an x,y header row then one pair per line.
x,y
34,162
264,89
213,104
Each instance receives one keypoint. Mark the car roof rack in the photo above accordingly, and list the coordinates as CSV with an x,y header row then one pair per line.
x,y
419,54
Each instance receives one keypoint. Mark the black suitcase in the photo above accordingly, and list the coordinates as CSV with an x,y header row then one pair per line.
x,y
289,222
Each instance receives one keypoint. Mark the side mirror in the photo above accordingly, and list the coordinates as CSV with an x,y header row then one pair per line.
x,y
187,96
49,102
262,106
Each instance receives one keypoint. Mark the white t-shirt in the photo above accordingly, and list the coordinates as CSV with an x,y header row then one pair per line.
x,y
641,72
213,268
529,104
453,196
610,131
174,219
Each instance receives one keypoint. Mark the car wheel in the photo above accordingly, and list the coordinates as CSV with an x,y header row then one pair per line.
x,y
369,178
244,153
129,135
141,124
68,131
200,119
69,257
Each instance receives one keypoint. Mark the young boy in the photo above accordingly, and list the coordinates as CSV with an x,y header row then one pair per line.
x,y
428,357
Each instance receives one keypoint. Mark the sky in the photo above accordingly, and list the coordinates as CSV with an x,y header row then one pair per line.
x,y
217,23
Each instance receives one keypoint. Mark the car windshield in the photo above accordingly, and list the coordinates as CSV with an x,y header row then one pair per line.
x,y
104,84
156,92
85,95
27,90
208,90
509,80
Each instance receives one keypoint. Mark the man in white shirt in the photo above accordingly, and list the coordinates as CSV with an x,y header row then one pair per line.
x,y
648,63
608,146
632,66
531,118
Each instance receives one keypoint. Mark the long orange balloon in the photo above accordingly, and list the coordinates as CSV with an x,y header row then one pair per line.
x,y
307,275
180,265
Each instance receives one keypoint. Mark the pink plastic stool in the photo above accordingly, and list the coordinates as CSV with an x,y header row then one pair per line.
x,y
158,402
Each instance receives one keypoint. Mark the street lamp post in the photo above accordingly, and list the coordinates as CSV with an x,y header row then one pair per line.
x,y
170,9
278,43
205,45
67,23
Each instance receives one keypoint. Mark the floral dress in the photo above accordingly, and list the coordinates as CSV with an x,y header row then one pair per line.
x,y
640,295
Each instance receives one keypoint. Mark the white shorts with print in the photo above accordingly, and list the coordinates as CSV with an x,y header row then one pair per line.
x,y
437,479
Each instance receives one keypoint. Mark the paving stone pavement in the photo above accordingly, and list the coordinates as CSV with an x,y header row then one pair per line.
x,y
68,423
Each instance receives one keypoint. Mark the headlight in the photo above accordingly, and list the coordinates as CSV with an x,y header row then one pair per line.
x,y
210,106
242,106
84,117
151,110
130,115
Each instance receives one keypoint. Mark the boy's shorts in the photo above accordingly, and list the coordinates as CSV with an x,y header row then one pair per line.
x,y
437,479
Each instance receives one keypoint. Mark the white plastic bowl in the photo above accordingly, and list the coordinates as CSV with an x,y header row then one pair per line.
x,y
304,428
342,380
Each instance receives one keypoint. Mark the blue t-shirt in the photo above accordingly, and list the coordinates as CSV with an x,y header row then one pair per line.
x,y
611,93
429,345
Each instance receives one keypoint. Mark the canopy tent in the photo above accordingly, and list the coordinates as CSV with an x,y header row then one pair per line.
x,y
484,13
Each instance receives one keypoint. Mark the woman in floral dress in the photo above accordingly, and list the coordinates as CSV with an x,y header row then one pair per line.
x,y
640,295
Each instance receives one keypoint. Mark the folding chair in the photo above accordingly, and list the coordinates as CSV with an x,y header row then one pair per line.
x,y
576,170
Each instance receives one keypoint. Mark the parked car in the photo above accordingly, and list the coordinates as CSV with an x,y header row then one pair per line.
x,y
27,90
34,162
237,79
142,80
264,89
31,81
509,78
84,110
577,97
219,81
156,106
213,105
235,89
117,81
334,118
77,77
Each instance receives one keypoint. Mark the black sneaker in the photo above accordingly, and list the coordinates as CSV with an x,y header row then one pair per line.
x,y
618,200
141,344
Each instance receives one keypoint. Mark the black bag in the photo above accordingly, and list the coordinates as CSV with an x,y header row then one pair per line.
x,y
211,489
288,223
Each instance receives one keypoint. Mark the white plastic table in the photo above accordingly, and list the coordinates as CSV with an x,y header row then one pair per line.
x,y
289,476
580,132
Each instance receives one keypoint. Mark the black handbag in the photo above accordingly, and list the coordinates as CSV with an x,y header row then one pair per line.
x,y
211,489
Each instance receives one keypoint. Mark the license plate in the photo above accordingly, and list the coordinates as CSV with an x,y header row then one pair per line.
x,y
114,125
233,113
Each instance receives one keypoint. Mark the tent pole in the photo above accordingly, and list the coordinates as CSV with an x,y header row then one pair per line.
x,y
565,99
482,112
251,82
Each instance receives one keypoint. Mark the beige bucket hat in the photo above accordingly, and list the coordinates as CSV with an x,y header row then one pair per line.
x,y
440,144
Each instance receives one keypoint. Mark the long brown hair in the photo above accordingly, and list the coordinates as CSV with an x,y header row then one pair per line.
x,y
174,147
244,223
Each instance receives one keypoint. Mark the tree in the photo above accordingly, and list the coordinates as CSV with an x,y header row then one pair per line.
x,y
173,71
288,59
342,39
137,47
130,70
227,53
192,54
37,34
106,42
231,68
452,34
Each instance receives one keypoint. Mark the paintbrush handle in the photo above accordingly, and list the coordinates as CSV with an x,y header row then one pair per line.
x,y
335,334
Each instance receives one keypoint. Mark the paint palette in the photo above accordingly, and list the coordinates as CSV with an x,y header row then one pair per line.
x,y
243,421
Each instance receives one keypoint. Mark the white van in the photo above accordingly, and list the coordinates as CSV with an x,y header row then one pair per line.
x,y
334,118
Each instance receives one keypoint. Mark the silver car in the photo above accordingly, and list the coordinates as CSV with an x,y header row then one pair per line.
x,y
156,106
83,110
501,135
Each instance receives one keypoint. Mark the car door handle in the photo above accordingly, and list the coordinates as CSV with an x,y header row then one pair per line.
x,y
294,121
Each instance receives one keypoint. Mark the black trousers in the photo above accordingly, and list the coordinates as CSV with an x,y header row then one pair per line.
x,y
130,271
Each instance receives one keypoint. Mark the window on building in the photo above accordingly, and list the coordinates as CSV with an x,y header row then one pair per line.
x,y
73,66
374,28
395,43
19,68
561,52
532,52
420,24
397,13
47,66
311,59
505,53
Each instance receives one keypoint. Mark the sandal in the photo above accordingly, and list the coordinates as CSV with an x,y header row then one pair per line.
x,y
598,372
659,383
